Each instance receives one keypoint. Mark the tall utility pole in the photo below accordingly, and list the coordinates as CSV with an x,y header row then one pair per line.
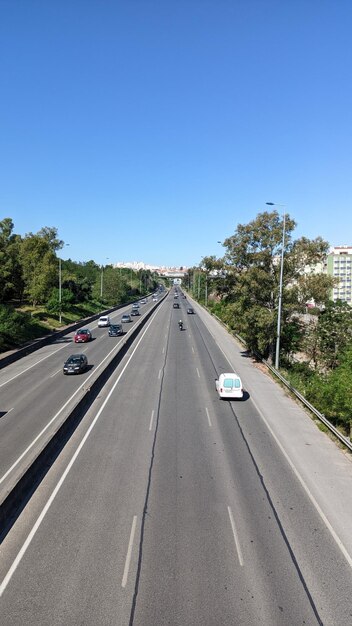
x,y
102,280
279,308
60,288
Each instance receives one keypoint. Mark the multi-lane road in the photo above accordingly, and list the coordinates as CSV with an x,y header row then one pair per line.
x,y
169,506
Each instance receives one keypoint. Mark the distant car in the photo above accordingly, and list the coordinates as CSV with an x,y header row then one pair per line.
x,y
143,301
126,318
155,299
82,336
104,320
190,311
75,364
115,330
176,305
176,295
135,312
135,305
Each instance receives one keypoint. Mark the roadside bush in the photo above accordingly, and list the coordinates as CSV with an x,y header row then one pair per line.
x,y
16,328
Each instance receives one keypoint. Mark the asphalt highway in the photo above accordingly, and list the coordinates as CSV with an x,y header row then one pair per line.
x,y
169,506
36,396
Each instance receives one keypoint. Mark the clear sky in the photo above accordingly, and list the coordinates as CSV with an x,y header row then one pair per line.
x,y
149,129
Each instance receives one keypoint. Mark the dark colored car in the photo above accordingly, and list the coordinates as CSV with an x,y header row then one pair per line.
x,y
126,318
190,311
135,312
82,336
75,364
115,330
176,305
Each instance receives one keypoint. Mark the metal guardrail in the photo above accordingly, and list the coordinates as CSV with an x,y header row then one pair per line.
x,y
345,440
14,355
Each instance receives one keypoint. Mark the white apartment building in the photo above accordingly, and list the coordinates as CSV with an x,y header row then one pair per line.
x,y
339,265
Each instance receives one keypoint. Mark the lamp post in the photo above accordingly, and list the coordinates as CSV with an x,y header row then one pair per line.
x,y
60,287
101,280
278,333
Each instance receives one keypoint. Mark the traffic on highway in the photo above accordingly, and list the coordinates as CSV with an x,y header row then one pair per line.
x,y
170,503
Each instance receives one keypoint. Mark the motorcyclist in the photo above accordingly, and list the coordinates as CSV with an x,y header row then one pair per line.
x,y
180,324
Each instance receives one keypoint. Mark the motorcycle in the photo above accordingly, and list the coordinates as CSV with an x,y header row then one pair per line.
x,y
180,325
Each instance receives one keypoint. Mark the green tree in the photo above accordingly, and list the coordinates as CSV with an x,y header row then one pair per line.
x,y
340,390
11,282
39,267
253,254
334,333
49,234
53,303
306,282
253,263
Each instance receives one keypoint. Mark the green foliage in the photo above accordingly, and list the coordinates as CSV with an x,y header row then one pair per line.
x,y
16,328
11,284
251,280
39,267
53,303
329,392
334,331
340,389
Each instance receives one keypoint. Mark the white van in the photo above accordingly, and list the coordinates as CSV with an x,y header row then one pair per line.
x,y
229,386
104,320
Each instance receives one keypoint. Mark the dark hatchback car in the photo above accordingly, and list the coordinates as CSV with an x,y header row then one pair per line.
x,y
176,305
190,311
82,336
75,364
115,330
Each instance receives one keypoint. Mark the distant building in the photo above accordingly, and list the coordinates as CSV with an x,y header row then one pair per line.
x,y
167,272
339,265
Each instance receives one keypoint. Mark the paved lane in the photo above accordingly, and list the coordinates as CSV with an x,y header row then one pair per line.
x,y
35,396
179,509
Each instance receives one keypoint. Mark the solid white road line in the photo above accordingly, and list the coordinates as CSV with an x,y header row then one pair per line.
x,y
52,420
129,552
334,535
208,416
235,536
192,349
151,420
33,365
159,376
32,533
198,372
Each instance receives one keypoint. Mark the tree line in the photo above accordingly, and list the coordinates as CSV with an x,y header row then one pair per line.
x,y
32,273
242,288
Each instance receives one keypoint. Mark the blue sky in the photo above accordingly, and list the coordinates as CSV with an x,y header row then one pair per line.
x,y
149,129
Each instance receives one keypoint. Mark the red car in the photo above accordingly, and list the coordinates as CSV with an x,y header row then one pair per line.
x,y
82,336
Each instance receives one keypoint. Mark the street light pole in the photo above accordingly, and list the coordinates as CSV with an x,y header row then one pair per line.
x,y
60,290
278,332
101,280
60,287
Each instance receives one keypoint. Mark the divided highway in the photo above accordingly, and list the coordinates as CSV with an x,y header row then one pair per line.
x,y
36,397
167,505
